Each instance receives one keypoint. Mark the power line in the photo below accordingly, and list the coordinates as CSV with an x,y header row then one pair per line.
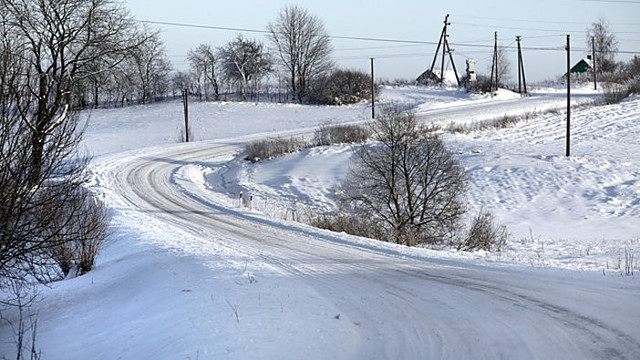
x,y
538,21
564,31
378,47
210,27
268,32
514,27
387,40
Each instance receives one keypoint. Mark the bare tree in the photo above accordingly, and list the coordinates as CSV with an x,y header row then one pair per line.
x,y
245,61
304,48
407,183
152,68
57,41
122,82
44,48
181,80
606,45
204,63
26,232
504,65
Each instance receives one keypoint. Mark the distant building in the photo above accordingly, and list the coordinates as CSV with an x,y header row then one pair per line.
x,y
582,66
450,76
429,78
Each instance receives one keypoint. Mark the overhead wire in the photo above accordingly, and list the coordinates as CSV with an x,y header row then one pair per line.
x,y
471,44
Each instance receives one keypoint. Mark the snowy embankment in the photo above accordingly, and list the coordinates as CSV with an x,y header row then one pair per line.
x,y
188,274
580,212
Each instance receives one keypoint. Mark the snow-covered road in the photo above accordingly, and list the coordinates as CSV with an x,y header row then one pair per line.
x,y
381,304
189,274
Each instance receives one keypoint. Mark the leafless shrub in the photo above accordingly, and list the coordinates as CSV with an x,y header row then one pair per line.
x,y
26,232
182,135
633,85
614,92
328,134
22,320
481,85
342,87
628,263
499,123
344,222
485,234
79,239
270,148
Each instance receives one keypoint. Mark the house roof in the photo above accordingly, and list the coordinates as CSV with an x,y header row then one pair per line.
x,y
427,77
582,66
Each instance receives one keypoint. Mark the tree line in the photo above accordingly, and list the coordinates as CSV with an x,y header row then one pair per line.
x,y
300,62
295,66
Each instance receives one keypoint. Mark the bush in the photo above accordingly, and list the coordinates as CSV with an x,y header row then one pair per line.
x,y
614,92
328,134
270,148
349,223
633,86
481,85
485,234
81,237
342,87
633,67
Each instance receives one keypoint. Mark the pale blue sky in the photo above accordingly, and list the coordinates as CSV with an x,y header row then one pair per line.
x,y
542,24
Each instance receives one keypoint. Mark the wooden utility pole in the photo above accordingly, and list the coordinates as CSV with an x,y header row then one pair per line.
x,y
185,100
373,93
593,61
497,59
519,68
446,49
568,152
435,57
494,64
521,76
453,63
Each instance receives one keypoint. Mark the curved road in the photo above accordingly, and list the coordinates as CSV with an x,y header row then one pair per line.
x,y
402,307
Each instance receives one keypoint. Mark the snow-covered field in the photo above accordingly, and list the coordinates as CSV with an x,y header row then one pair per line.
x,y
188,274
581,212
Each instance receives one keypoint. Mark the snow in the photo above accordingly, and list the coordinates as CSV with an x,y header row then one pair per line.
x,y
579,212
135,127
189,273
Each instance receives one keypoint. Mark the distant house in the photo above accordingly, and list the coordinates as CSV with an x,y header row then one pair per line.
x,y
582,66
428,77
